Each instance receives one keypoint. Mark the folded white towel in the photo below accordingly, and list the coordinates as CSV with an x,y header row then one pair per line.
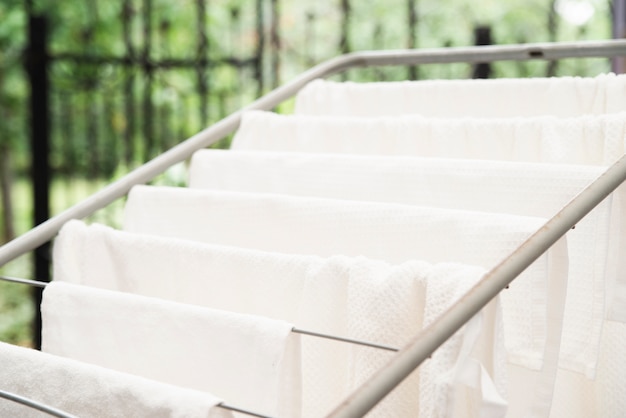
x,y
562,96
390,232
516,188
352,297
589,139
86,390
249,361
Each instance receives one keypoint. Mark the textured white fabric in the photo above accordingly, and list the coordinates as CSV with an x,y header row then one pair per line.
x,y
249,361
590,139
354,297
562,96
579,397
517,188
474,352
86,390
391,232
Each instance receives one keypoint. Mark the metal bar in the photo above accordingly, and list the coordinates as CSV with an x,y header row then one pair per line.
x,y
36,405
294,329
242,411
33,283
212,134
345,340
131,60
37,64
427,341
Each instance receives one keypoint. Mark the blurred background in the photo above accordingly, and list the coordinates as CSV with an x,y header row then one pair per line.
x,y
109,84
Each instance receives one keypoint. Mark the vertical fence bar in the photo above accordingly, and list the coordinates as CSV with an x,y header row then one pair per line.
x,y
553,20
202,55
275,43
344,40
148,129
619,32
482,36
129,85
37,64
260,47
412,41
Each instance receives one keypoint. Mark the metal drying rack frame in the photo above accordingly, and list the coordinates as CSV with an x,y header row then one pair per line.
x,y
429,339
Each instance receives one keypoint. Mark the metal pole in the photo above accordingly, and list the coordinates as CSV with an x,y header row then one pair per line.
x,y
427,341
37,67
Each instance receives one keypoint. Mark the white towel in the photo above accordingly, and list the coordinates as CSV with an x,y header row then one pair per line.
x,y
352,297
249,361
391,232
590,139
86,390
472,348
516,188
562,96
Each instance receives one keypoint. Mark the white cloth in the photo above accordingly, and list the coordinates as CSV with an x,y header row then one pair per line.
x,y
473,351
86,390
249,361
559,96
351,297
590,139
390,232
517,188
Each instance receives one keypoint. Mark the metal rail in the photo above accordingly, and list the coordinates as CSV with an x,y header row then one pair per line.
x,y
547,51
426,342
35,405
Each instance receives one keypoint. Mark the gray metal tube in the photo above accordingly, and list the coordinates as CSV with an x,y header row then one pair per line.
x,y
46,231
427,341
35,405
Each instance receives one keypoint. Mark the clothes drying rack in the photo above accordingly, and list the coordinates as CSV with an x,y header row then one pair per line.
x,y
422,345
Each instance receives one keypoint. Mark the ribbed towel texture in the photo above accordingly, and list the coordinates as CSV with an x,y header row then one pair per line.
x,y
529,189
346,296
562,96
589,139
87,391
249,361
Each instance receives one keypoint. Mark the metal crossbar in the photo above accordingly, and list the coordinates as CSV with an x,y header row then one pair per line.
x,y
427,341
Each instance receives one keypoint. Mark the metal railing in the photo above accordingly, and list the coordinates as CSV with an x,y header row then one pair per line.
x,y
427,341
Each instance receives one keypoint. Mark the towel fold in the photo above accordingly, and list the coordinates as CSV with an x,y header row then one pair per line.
x,y
86,390
390,232
562,96
590,139
249,361
347,296
529,189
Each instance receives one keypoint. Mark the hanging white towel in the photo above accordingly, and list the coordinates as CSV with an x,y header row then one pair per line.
x,y
562,96
87,391
353,297
391,232
466,355
590,139
517,188
249,361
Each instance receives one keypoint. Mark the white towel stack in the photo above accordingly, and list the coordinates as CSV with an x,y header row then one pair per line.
x,y
249,360
529,189
203,286
352,297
